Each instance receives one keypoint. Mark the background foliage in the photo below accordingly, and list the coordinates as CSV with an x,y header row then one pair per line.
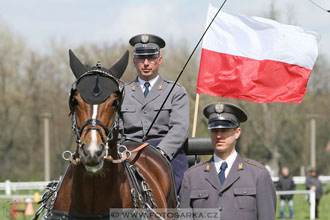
x,y
32,83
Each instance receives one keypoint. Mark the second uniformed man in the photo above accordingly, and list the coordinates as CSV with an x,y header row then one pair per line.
x,y
143,99
238,188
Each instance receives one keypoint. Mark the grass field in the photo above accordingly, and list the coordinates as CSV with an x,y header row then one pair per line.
x,y
301,207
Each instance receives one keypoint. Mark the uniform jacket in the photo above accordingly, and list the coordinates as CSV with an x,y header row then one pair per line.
x,y
172,124
286,183
247,193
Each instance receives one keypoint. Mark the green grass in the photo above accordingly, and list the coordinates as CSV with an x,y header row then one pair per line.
x,y
5,210
5,205
301,205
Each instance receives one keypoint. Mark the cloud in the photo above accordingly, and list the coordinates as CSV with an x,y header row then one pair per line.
x,y
112,20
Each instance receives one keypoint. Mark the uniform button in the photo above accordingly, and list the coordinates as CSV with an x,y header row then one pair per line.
x,y
146,129
145,112
220,209
220,194
200,195
244,192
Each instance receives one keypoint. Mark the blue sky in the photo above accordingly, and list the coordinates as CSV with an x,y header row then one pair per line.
x,y
78,21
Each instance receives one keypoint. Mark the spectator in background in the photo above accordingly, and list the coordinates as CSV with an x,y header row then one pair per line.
x,y
286,183
313,183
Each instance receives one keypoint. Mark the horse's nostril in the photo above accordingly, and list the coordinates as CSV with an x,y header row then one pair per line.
x,y
100,152
85,152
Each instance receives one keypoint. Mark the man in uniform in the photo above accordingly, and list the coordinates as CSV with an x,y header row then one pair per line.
x,y
143,99
237,188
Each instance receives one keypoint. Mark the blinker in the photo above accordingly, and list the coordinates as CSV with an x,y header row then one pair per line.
x,y
97,90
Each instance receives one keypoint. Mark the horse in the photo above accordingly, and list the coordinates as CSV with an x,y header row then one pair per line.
x,y
104,174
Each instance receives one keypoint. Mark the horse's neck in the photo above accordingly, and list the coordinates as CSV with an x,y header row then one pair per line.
x,y
83,192
97,188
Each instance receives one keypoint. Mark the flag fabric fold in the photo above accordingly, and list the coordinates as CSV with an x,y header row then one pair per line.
x,y
255,59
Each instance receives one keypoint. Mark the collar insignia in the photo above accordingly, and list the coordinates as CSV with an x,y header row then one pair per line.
x,y
207,167
160,86
133,88
240,166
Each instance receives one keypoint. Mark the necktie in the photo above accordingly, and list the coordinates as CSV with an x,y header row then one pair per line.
x,y
146,91
221,175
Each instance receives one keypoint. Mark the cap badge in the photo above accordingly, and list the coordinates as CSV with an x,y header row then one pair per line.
x,y
144,38
219,108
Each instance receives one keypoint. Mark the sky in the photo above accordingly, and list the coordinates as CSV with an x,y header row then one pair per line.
x,y
111,21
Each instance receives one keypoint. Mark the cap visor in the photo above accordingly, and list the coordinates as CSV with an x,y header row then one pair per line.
x,y
145,51
222,124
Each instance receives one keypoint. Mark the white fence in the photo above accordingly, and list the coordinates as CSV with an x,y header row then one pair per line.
x,y
311,199
9,186
302,179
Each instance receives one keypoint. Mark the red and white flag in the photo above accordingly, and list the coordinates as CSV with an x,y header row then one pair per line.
x,y
255,59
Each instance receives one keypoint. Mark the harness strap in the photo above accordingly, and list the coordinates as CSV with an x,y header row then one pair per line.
x,y
140,147
125,157
139,187
131,183
49,197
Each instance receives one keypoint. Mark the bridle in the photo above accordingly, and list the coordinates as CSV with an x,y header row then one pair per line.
x,y
108,137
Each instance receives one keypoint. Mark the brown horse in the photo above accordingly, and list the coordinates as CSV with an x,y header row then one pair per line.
x,y
103,174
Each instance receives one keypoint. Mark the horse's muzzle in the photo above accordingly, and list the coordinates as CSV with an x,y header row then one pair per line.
x,y
92,158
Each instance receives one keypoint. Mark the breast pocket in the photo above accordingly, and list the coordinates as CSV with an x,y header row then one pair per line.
x,y
128,114
164,115
198,198
245,199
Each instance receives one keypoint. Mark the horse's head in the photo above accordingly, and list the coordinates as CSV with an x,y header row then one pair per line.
x,y
94,102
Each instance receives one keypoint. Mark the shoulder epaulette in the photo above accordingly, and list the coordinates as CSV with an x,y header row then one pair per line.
x,y
172,82
197,165
253,163
128,83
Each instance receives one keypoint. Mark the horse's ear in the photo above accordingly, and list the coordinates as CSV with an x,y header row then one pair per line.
x,y
76,66
119,68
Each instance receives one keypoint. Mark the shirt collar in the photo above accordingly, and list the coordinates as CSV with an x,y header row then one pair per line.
x,y
230,161
152,82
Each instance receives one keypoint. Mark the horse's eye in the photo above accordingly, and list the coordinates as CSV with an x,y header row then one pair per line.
x,y
73,103
115,103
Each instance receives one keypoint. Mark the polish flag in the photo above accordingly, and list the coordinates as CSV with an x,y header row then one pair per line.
x,y
255,59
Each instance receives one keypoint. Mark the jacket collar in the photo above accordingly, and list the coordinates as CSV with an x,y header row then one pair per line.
x,y
156,91
211,175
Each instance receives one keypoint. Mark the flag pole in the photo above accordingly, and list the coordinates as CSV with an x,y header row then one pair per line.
x,y
195,116
183,68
